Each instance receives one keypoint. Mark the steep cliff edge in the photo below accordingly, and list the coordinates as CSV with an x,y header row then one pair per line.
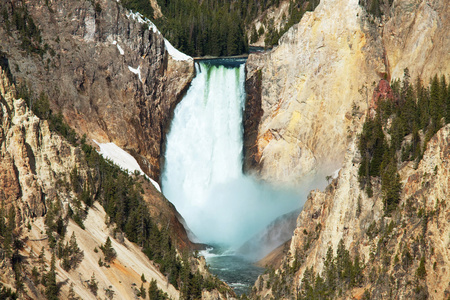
x,y
110,72
404,255
316,83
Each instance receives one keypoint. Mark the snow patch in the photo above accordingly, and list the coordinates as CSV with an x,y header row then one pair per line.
x,y
119,48
90,28
123,159
136,71
176,54
141,19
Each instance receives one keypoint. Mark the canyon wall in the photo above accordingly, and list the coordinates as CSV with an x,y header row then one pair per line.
x,y
316,83
110,72
313,90
35,164
391,247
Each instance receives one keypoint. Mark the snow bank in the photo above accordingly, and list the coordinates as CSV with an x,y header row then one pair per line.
x,y
123,159
136,71
176,55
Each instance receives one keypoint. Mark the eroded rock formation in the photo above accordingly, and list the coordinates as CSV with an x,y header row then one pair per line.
x,y
317,82
391,247
110,75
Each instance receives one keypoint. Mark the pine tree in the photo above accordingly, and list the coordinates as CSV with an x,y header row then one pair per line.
x,y
330,270
436,107
71,295
447,101
142,292
51,287
108,251
153,291
72,254
93,285
390,186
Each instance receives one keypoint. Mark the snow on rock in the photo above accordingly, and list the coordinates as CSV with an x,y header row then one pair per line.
x,y
176,54
123,159
90,28
119,48
136,71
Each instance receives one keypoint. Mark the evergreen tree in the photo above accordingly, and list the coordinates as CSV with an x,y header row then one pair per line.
x,y
93,285
436,106
330,270
51,287
153,292
72,254
156,294
142,291
72,295
390,186
108,251
447,103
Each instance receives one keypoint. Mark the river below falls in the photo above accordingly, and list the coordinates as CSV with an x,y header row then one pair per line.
x,y
239,272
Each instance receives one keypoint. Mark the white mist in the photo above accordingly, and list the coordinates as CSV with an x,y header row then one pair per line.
x,y
203,171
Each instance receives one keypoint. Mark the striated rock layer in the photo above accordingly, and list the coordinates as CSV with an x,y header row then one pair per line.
x,y
105,69
316,83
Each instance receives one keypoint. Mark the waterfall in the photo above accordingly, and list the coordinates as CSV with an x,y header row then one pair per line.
x,y
203,175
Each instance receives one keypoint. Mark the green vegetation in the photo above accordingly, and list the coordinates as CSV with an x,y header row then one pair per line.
x,y
213,27
71,254
10,245
108,251
51,287
16,18
410,120
201,28
41,107
340,273
155,293
120,195
93,285
7,293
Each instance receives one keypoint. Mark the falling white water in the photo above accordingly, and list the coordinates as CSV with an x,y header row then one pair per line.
x,y
203,172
